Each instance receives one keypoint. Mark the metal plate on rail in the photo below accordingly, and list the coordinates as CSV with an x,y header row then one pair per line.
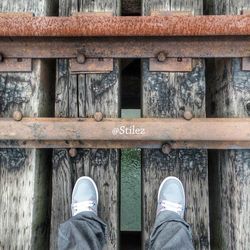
x,y
15,65
171,65
101,65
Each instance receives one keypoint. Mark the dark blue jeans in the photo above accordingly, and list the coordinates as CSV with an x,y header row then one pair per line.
x,y
170,232
86,231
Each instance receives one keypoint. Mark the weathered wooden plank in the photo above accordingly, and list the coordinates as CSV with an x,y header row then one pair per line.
x,y
229,171
102,95
169,95
63,174
82,96
25,174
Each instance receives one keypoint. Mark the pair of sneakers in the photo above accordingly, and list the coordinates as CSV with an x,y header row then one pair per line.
x,y
171,196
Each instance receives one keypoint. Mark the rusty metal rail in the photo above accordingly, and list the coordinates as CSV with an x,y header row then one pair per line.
x,y
91,43
78,26
126,47
170,42
120,133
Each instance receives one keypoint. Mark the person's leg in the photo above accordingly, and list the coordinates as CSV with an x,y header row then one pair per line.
x,y
170,230
84,230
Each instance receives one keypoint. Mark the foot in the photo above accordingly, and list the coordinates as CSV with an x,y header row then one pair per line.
x,y
84,196
171,196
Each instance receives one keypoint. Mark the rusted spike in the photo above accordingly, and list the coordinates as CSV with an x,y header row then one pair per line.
x,y
188,115
161,57
81,58
166,149
73,152
98,116
17,116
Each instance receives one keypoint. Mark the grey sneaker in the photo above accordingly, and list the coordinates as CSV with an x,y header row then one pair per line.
x,y
171,196
84,196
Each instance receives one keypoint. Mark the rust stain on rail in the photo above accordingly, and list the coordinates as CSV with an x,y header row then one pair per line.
x,y
112,129
78,26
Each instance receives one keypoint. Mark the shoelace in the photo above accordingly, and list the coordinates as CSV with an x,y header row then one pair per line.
x,y
171,206
83,206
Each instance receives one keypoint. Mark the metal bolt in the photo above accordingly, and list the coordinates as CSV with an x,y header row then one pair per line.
x,y
166,149
1,57
72,152
81,58
17,116
161,57
179,59
98,116
188,115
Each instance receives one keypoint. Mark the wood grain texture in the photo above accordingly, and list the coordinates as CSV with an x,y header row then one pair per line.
x,y
25,174
229,171
169,95
82,96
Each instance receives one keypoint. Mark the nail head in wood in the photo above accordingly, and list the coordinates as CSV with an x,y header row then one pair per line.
x,y
72,152
17,116
188,115
81,58
166,149
98,116
161,57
